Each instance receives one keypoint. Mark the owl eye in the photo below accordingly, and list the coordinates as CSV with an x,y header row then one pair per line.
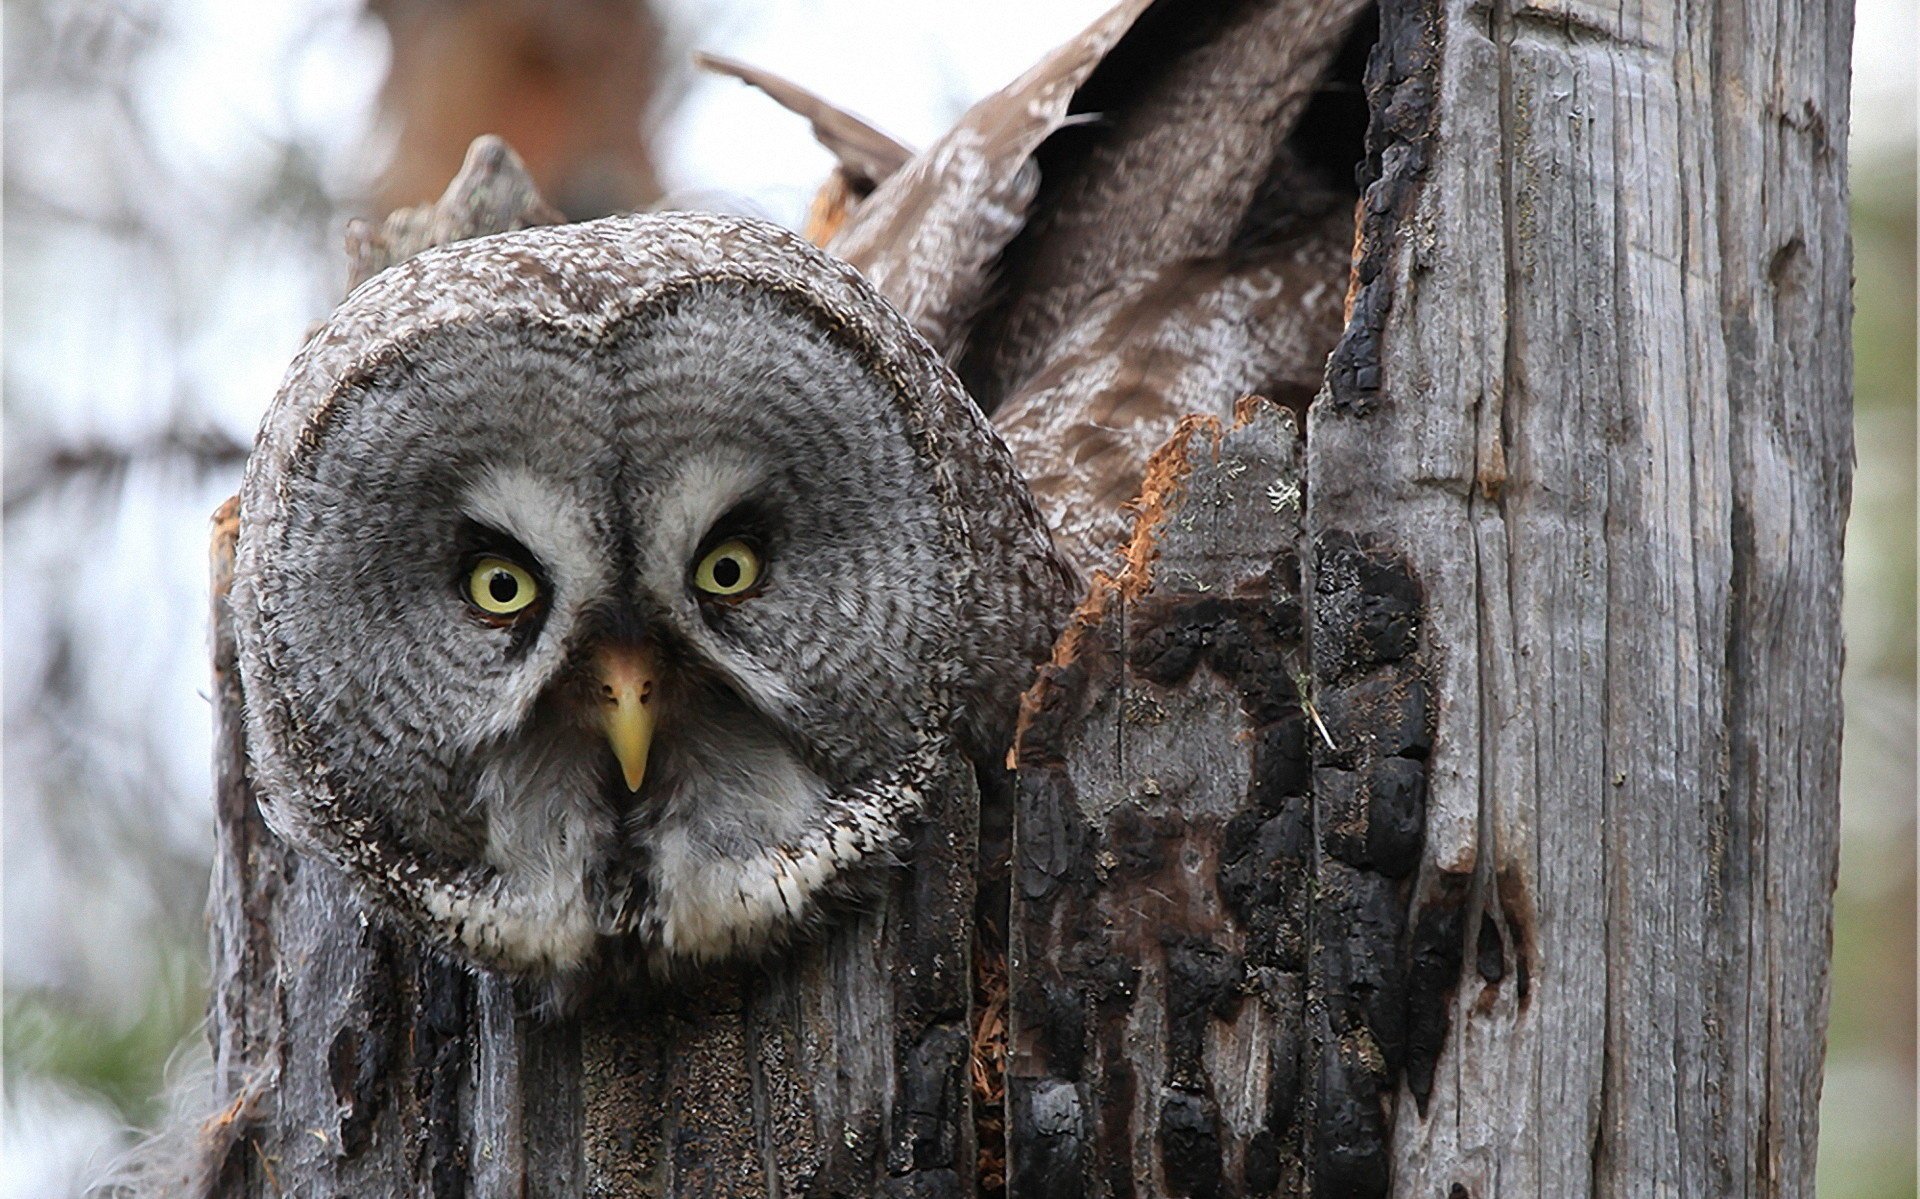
x,y
728,569
501,588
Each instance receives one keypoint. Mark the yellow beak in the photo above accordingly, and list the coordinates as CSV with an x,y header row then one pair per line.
x,y
627,709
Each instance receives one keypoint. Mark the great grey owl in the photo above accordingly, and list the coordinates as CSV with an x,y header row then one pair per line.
x,y
623,584
610,591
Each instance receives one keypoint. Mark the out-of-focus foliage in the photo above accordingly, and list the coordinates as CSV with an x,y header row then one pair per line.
x,y
172,177
1867,1115
123,1062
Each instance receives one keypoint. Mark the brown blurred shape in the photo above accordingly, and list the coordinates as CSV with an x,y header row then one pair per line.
x,y
567,83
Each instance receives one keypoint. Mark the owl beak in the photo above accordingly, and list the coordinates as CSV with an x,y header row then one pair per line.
x,y
627,707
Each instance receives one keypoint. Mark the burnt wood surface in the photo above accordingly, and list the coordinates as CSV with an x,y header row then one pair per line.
x,y
1222,781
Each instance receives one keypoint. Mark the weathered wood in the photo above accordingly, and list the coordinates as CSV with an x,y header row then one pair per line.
x,y
1466,828
1595,388
492,193
1154,1016
1221,803
1593,394
864,157
1141,227
354,1062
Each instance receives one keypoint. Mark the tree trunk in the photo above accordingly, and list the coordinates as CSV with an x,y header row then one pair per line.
x,y
1596,388
1447,808
1587,438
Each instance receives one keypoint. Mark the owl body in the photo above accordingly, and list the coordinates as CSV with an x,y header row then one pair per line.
x,y
619,589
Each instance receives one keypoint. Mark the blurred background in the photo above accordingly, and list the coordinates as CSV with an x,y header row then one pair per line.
x,y
177,177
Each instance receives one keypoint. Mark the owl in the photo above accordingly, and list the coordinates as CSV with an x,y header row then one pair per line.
x,y
615,592
625,584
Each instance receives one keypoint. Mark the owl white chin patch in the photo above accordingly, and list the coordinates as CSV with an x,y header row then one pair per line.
x,y
707,906
536,932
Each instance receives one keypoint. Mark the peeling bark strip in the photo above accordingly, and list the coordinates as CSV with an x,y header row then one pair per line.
x,y
1210,985
354,1062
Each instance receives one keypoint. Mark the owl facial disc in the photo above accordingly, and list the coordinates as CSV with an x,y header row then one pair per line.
x,y
615,591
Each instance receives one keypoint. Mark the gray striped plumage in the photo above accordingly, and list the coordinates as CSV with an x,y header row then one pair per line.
x,y
605,394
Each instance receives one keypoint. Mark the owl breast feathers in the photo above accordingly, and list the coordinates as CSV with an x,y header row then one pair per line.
x,y
619,589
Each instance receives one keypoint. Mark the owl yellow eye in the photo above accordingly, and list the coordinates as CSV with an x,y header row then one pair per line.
x,y
729,568
501,588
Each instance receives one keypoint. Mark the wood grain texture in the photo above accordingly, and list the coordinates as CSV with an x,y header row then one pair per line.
x,y
1596,388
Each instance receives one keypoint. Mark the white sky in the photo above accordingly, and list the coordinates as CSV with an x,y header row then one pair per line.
x,y
1886,47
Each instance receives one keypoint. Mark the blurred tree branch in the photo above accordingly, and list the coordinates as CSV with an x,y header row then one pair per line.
x,y
102,461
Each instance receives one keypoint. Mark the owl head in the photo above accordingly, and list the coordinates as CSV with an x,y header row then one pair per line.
x,y
622,587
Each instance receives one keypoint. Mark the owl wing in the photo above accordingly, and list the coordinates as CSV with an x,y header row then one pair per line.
x,y
864,157
1107,244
